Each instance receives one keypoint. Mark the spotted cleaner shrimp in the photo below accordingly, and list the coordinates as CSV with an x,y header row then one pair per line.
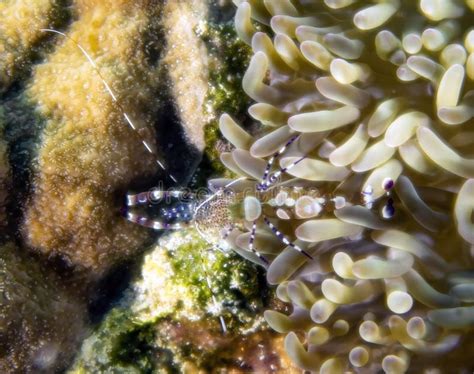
x,y
244,204
233,214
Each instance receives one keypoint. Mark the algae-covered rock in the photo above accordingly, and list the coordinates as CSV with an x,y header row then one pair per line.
x,y
119,345
173,316
228,56
41,320
183,277
122,344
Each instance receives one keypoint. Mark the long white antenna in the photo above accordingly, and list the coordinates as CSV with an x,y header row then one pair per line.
x,y
114,98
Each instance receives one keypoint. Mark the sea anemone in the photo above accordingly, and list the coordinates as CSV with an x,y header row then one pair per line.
x,y
368,110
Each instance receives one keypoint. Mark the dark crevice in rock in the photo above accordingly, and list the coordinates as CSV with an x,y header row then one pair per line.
x,y
180,156
108,291
22,131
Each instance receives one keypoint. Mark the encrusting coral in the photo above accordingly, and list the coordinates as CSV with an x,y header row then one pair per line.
x,y
88,151
21,21
369,115
186,60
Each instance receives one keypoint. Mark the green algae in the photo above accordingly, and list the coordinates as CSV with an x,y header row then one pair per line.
x,y
237,284
146,333
120,344
229,58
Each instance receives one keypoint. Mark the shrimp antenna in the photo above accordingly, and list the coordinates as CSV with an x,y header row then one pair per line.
x,y
114,98
276,155
251,244
213,296
266,185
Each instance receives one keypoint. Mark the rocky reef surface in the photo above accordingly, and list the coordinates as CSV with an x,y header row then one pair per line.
x,y
42,319
172,318
82,287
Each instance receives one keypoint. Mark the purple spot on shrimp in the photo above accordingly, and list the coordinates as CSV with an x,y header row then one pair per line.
x,y
388,184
